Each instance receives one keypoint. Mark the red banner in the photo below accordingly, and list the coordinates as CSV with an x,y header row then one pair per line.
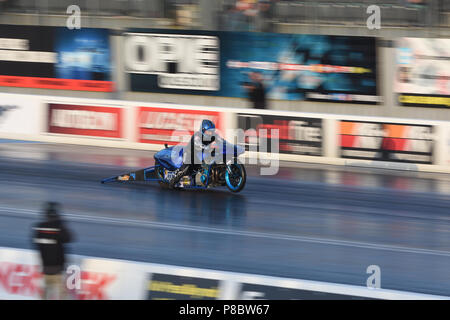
x,y
164,125
83,120
20,279
53,83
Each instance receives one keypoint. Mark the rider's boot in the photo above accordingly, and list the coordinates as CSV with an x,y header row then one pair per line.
x,y
178,176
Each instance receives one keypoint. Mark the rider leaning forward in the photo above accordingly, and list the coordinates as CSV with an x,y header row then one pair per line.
x,y
199,141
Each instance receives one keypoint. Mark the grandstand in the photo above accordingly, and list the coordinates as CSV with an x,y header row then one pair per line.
x,y
400,13
395,13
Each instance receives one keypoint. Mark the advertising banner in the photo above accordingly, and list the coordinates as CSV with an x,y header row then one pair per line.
x,y
171,126
423,72
293,67
101,280
172,61
165,286
387,141
20,276
262,292
55,58
85,120
19,114
296,135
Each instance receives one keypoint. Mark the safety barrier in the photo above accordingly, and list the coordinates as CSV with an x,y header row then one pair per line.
x,y
92,278
390,143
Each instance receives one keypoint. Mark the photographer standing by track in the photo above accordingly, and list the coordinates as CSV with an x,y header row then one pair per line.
x,y
50,236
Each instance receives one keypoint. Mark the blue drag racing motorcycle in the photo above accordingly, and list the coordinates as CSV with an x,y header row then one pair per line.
x,y
227,172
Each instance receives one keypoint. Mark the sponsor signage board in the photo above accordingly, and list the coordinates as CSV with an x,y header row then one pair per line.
x,y
85,120
423,72
387,141
165,286
292,66
264,292
172,126
297,135
20,114
55,58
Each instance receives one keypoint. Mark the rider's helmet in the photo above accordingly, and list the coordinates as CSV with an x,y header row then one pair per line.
x,y
208,127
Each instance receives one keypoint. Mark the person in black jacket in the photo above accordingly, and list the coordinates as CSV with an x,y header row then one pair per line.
x,y
49,236
256,90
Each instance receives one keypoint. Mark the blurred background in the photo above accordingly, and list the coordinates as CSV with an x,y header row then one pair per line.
x,y
364,124
399,19
247,15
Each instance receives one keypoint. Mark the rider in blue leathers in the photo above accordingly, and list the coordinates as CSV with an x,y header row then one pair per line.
x,y
200,140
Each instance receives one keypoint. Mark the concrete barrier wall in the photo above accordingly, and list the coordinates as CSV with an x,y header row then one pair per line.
x,y
92,278
26,117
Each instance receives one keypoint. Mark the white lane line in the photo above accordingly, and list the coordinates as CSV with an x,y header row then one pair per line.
x,y
254,234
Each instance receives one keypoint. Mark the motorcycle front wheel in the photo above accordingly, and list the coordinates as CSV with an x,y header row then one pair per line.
x,y
236,180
